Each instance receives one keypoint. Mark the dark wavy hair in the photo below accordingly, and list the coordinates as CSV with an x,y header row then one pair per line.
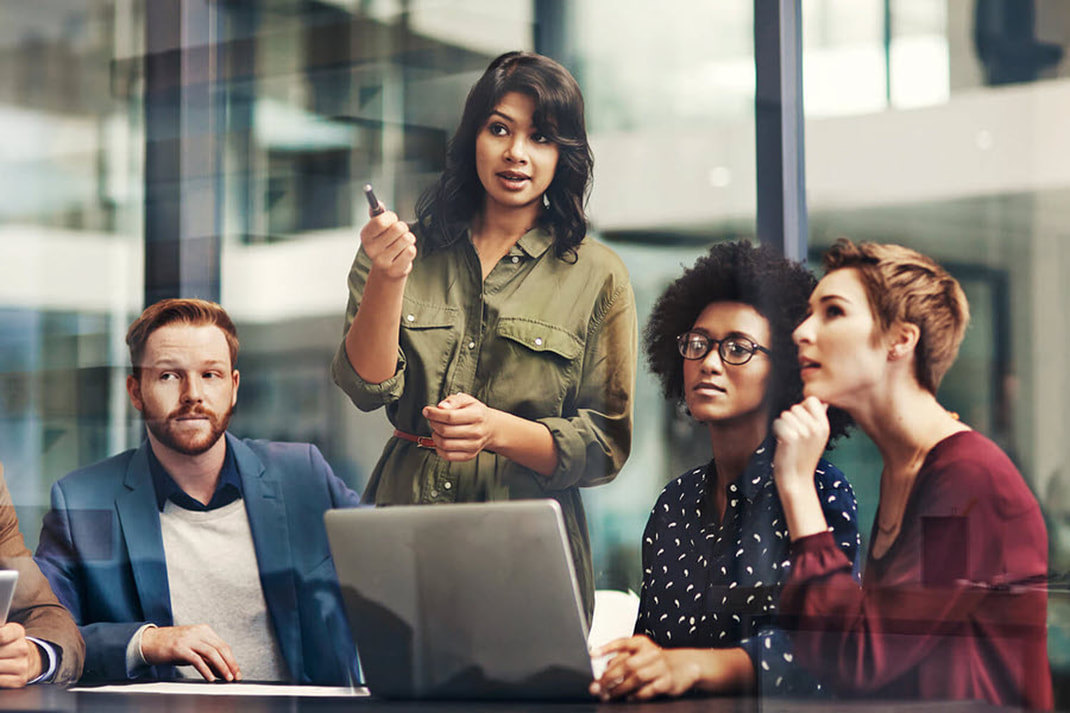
x,y
449,205
778,288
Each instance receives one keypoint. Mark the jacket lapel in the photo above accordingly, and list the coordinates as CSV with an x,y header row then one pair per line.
x,y
139,518
266,509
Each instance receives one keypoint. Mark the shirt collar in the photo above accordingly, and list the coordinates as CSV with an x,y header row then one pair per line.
x,y
758,472
759,469
535,242
227,490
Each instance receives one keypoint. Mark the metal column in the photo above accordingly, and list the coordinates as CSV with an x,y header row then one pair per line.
x,y
182,139
778,117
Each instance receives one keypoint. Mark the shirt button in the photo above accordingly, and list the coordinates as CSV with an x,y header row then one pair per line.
x,y
410,317
471,345
538,341
447,485
515,259
434,493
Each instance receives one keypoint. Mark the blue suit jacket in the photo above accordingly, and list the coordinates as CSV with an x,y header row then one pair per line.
x,y
102,551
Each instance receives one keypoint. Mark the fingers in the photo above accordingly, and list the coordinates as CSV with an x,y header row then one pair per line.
x,y
456,451
11,632
380,224
804,421
216,655
389,243
637,663
16,657
652,689
196,645
633,673
628,643
456,408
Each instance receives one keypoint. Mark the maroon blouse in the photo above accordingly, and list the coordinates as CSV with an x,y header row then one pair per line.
x,y
956,608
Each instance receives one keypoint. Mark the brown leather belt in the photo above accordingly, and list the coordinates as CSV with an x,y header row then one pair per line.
x,y
421,441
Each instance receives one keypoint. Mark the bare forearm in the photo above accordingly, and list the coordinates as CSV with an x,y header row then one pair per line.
x,y
372,339
528,443
722,670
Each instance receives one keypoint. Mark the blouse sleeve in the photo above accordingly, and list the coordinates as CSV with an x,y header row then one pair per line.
x,y
364,395
647,609
841,512
771,650
593,444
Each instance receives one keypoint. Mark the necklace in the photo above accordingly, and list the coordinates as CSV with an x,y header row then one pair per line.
x,y
898,507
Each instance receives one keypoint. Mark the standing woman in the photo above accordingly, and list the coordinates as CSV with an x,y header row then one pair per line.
x,y
716,542
501,341
952,603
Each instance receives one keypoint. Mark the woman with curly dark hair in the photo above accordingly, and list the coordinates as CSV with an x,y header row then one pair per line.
x,y
716,542
501,340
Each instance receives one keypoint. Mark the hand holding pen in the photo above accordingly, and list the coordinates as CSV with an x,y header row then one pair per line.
x,y
388,241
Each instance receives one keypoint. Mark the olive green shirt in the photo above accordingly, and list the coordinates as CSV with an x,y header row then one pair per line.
x,y
548,339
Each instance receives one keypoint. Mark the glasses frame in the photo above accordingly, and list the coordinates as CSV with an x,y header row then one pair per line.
x,y
752,349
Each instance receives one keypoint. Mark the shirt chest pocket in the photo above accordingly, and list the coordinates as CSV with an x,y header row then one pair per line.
x,y
428,339
531,367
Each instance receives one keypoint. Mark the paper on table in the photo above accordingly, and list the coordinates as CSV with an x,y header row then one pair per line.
x,y
201,688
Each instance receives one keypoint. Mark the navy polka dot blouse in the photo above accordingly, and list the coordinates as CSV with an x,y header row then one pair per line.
x,y
711,585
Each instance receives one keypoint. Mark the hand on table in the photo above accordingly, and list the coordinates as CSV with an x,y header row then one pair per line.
x,y
197,645
20,659
641,670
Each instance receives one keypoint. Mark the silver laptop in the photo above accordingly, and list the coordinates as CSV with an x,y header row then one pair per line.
x,y
462,601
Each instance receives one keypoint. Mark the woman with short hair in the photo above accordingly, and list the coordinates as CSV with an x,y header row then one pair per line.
x,y
952,602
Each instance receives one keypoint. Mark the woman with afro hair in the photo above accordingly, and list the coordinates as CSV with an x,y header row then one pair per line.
x,y
716,543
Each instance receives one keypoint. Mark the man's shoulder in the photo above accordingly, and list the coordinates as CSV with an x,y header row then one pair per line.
x,y
281,458
274,452
93,476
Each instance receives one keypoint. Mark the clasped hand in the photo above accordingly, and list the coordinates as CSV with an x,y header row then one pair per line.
x,y
20,660
641,670
802,433
390,245
461,426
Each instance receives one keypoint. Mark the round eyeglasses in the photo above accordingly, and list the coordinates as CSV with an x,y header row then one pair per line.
x,y
732,350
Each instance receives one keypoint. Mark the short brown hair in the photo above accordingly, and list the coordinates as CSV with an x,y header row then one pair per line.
x,y
905,286
171,311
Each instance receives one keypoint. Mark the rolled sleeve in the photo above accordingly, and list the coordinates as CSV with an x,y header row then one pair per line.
x,y
365,395
593,445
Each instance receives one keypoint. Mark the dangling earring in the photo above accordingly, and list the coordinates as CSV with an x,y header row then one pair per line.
x,y
546,201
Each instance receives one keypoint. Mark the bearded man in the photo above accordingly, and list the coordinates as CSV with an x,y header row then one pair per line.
x,y
199,554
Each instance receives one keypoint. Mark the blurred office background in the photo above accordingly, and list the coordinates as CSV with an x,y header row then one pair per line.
x,y
237,134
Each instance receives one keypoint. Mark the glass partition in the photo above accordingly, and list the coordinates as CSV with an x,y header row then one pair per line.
x,y
964,160
70,236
